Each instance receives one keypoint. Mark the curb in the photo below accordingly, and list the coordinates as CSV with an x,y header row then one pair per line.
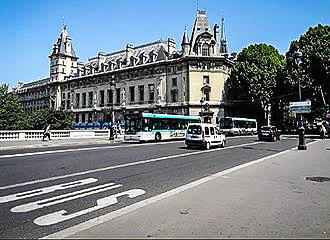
x,y
50,144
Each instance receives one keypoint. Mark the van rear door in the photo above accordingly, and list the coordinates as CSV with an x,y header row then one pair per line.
x,y
194,132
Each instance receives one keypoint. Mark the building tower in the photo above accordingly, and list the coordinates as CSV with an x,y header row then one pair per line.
x,y
223,41
63,63
185,43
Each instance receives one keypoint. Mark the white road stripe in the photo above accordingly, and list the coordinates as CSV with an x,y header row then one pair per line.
x,y
63,198
41,191
107,217
60,216
125,165
78,149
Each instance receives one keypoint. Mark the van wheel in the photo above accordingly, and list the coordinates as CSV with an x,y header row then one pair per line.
x,y
207,146
158,137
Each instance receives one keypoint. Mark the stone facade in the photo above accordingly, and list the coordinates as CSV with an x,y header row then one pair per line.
x,y
154,77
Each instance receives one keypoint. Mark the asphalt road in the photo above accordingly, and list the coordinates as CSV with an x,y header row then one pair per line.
x,y
45,191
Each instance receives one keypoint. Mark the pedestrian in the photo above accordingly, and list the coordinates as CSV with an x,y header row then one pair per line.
x,y
278,135
46,132
323,131
119,128
115,129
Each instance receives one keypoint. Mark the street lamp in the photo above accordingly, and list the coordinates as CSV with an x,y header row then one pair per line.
x,y
298,59
112,85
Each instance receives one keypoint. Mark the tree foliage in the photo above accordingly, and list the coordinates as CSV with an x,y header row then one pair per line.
x,y
57,118
315,66
255,74
12,116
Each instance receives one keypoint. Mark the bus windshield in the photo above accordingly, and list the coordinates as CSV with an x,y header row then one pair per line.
x,y
226,123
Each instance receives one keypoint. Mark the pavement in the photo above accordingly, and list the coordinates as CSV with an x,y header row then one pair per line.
x,y
273,197
7,145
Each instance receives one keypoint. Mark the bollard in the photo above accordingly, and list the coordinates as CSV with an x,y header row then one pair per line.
x,y
302,145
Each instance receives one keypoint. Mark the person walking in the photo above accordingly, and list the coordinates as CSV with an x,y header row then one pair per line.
x,y
323,131
46,132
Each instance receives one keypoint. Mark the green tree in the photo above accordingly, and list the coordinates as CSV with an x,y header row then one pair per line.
x,y
12,116
255,74
315,66
59,119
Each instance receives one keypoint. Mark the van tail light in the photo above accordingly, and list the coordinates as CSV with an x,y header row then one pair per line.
x,y
203,136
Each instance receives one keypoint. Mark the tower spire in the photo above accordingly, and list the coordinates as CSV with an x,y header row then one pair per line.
x,y
185,43
223,41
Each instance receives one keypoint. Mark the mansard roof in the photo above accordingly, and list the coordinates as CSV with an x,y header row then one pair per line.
x,y
35,84
156,48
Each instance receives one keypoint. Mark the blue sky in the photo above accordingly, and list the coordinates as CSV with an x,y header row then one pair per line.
x,y
29,28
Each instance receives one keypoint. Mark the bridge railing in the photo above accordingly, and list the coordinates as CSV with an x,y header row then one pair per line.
x,y
17,135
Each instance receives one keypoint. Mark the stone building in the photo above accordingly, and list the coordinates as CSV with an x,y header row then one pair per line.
x,y
153,77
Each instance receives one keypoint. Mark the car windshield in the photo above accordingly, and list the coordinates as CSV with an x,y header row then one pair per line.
x,y
265,128
194,129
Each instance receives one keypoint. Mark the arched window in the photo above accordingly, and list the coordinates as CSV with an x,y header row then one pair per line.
x,y
205,49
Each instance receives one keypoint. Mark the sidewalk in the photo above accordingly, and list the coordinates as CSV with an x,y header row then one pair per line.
x,y
7,145
269,199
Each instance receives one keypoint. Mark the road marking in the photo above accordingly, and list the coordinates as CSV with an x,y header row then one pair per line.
x,y
63,198
41,191
56,217
107,217
125,165
79,149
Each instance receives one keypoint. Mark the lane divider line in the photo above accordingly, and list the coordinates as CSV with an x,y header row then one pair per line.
x,y
77,150
109,216
124,165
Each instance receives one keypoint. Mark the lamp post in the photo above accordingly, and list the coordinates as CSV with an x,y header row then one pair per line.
x,y
112,85
298,59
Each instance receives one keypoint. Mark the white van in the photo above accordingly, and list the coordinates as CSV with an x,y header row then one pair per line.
x,y
204,135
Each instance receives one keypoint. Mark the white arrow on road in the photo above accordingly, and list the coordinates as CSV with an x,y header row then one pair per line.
x,y
63,198
59,216
41,191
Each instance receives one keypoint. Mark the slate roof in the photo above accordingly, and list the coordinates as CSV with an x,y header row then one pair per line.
x,y
61,44
201,26
37,83
157,48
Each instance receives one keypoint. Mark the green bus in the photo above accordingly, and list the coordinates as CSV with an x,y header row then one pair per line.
x,y
150,126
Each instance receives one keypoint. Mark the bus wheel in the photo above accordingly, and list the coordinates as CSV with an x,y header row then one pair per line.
x,y
158,137
207,146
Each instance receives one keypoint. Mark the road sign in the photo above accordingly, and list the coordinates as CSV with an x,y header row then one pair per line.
x,y
300,107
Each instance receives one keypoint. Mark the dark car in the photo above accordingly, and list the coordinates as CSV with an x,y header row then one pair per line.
x,y
269,133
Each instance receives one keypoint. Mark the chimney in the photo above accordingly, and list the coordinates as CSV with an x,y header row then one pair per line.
x,y
216,33
101,58
129,51
171,46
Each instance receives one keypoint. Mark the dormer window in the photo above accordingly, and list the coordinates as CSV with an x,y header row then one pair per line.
x,y
141,58
205,50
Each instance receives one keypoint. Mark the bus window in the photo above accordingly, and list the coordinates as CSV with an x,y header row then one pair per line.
x,y
212,130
